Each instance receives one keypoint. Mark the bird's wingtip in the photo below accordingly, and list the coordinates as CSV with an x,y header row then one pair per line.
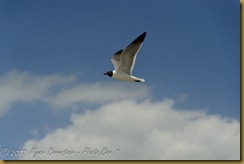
x,y
140,38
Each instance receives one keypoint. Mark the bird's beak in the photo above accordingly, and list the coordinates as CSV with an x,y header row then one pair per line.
x,y
105,73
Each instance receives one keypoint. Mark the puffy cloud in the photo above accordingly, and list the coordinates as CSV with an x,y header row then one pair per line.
x,y
124,124
131,129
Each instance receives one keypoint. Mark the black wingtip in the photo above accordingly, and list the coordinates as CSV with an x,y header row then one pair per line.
x,y
144,33
140,38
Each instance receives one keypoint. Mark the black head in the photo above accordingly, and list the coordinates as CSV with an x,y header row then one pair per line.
x,y
109,73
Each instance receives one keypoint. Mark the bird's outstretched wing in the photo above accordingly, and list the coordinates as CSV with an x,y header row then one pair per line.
x,y
127,57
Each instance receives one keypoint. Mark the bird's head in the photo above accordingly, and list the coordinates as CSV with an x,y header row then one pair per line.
x,y
109,73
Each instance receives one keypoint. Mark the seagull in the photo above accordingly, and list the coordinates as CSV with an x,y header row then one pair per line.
x,y
124,61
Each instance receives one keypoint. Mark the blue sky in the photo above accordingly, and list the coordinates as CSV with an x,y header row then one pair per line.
x,y
190,55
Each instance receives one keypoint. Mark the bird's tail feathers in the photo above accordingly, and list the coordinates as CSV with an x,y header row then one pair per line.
x,y
140,80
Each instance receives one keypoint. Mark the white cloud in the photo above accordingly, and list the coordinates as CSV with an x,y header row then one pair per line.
x,y
143,130
98,93
60,91
125,121
21,87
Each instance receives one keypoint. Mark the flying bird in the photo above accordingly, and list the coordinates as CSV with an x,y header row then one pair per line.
x,y
124,61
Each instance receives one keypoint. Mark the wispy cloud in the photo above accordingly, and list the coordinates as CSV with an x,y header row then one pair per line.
x,y
97,93
23,87
60,91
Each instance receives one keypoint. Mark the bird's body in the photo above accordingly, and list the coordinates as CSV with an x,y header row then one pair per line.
x,y
124,76
124,61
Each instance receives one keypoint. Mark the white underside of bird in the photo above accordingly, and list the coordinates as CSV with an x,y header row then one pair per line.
x,y
124,61
124,76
